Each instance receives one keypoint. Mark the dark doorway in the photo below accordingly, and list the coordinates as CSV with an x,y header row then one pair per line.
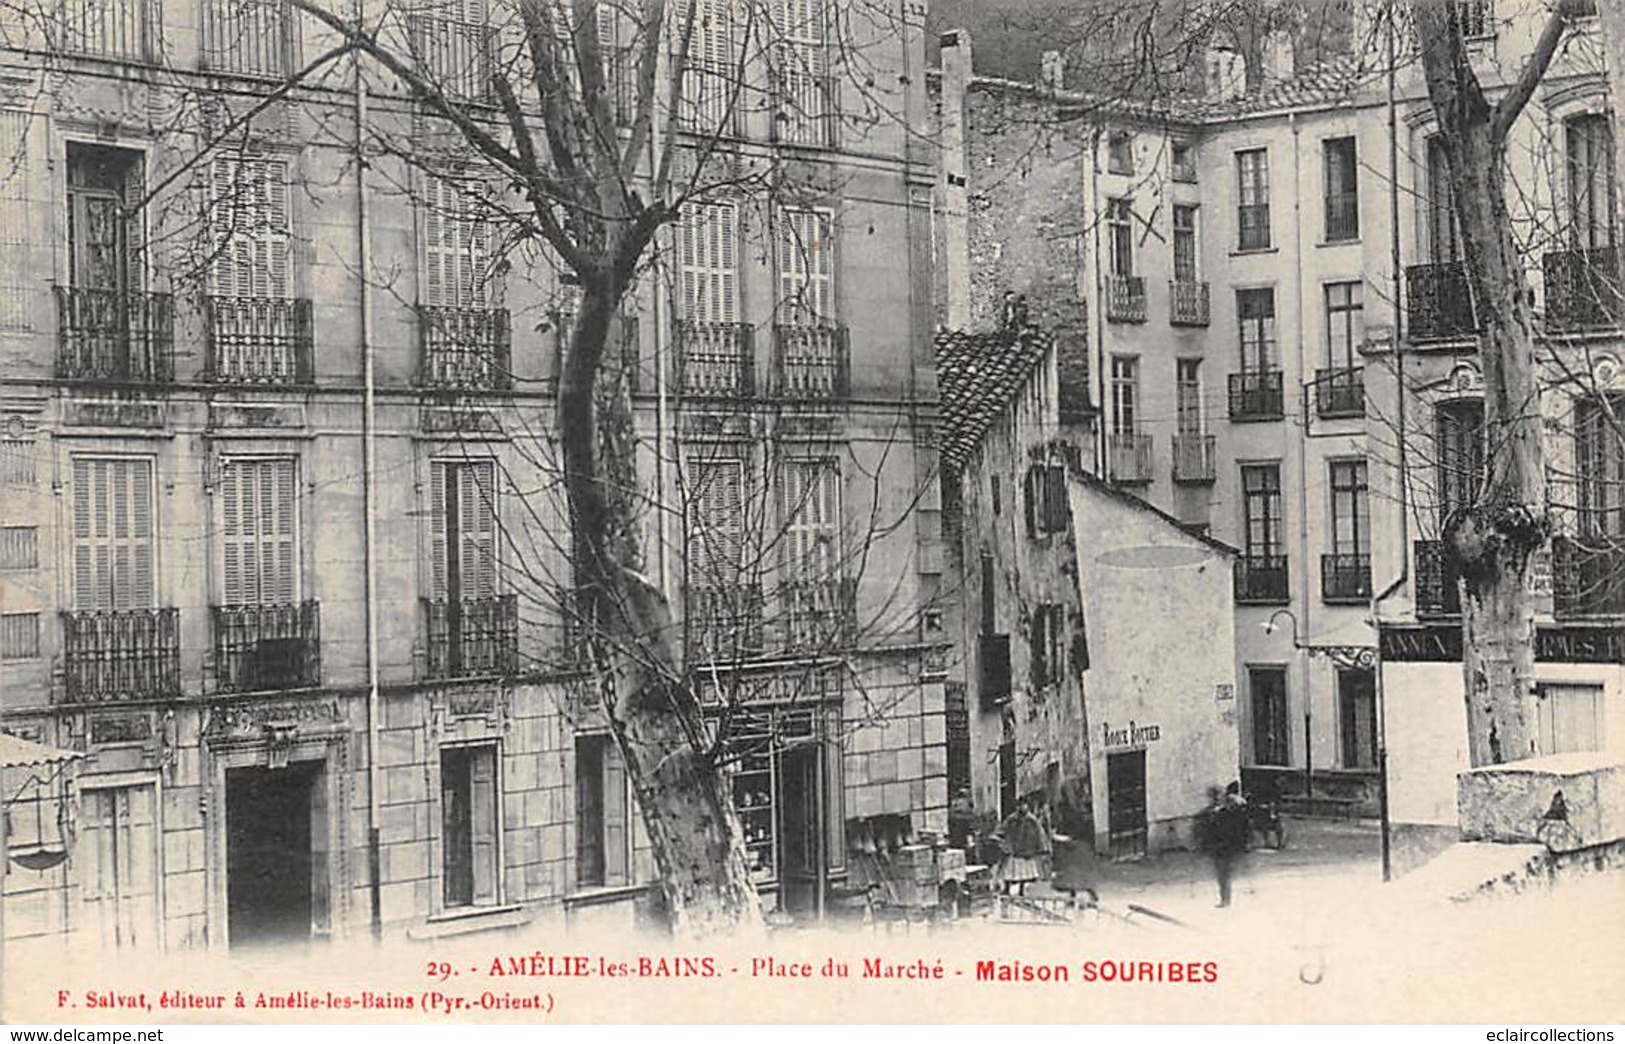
x,y
1125,802
801,828
1357,700
270,896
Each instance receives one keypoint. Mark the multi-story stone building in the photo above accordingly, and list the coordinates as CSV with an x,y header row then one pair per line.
x,y
282,556
1225,269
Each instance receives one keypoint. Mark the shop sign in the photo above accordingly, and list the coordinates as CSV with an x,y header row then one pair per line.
x,y
1132,735
1440,644
1580,645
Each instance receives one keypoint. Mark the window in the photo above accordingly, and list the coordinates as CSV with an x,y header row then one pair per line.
x,y
456,243
811,510
1188,396
1184,243
1048,645
1120,152
1351,510
259,532
1253,199
1125,394
1184,161
1256,311
806,263
1047,510
603,815
1265,530
19,636
1342,191
803,86
1345,324
1443,243
1591,181
1266,688
708,249
462,530
1600,454
716,521
107,28
1474,17
17,223
1568,718
709,78
469,822
250,37
19,547
1459,448
249,218
104,250
993,490
17,469
117,852
114,556
452,43
1357,713
1120,236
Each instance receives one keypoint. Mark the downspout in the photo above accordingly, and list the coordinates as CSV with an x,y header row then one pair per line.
x,y
369,500
1102,421
1304,585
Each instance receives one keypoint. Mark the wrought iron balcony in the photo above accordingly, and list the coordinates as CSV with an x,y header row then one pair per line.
x,y
1255,395
818,614
811,362
1125,298
464,349
1583,290
1262,580
1342,216
1437,587
1130,458
1194,460
125,654
105,29
454,55
1188,303
259,340
1345,577
472,637
1588,576
1340,392
267,647
716,360
724,620
124,337
1438,303
804,112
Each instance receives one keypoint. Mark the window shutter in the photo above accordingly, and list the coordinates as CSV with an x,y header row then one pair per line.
x,y
804,265
616,861
84,577
437,253
252,232
1038,668
437,530
274,179
231,536
476,492
718,521
1055,498
482,772
710,260
259,532
1033,489
113,534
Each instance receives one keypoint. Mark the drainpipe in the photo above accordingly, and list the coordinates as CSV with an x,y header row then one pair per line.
x,y
369,500
1102,421
1305,586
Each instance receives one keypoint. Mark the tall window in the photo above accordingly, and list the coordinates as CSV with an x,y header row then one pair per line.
x,y
708,249
1342,191
1459,448
1345,324
456,244
453,43
1351,509
1125,394
1255,310
1184,243
1443,242
1591,181
1266,689
259,531
114,553
709,79
462,529
1047,644
250,221
603,815
1357,712
813,602
1188,396
806,266
803,85
250,37
1120,231
107,28
1264,527
469,823
1253,199
716,521
1601,467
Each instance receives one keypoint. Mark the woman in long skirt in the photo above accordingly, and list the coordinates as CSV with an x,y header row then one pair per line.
x,y
1025,843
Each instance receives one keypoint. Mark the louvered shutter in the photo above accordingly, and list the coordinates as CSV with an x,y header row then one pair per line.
x,y
252,230
259,532
113,534
476,492
719,517
710,258
457,243
616,861
811,512
438,251
482,772
805,265
437,530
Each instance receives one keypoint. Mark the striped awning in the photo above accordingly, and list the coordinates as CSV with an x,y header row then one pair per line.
x,y
16,752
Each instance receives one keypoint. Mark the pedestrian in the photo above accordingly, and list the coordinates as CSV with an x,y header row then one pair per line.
x,y
1025,843
1223,833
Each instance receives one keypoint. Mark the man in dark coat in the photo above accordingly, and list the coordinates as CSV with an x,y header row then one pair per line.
x,y
1223,834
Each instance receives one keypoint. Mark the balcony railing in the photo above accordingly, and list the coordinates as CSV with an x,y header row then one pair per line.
x,y
267,647
1131,458
804,105
1437,587
1342,216
117,336
1188,303
249,39
1588,576
811,362
712,96
259,340
1194,460
1255,395
1345,577
716,360
472,637
464,349
1583,289
455,56
128,654
1253,220
1125,298
819,614
1340,392
1439,305
106,28
724,620
1262,580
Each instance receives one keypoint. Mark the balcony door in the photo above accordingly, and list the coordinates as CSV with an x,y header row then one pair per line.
x,y
1590,141
1264,530
462,558
100,183
1439,209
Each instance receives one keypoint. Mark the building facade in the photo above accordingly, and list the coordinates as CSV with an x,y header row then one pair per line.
x,y
284,556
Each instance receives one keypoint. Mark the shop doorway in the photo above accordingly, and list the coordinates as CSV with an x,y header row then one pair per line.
x,y
271,862
801,830
1125,803
1357,703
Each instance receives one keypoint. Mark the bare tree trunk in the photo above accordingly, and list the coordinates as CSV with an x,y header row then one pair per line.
x,y
1493,539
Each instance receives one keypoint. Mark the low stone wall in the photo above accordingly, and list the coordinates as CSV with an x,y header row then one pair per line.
x,y
1567,802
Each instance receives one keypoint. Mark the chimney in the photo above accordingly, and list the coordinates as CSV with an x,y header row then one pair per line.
x,y
1226,73
1279,63
1052,71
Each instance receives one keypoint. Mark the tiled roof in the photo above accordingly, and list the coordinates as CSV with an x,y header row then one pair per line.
x,y
1331,82
978,374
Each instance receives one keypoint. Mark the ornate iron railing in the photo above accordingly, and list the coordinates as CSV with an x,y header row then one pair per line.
x,y
1340,392
259,340
472,637
818,614
811,362
1438,302
454,55
1588,575
1255,395
1583,289
1194,459
464,349
805,105
1345,577
261,647
1125,298
1188,303
716,360
251,39
125,654
1262,580
1437,587
724,620
1131,458
113,335
106,28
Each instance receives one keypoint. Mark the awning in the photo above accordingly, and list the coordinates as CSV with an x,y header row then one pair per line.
x,y
16,752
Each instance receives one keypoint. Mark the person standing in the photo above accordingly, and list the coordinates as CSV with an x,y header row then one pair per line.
x,y
1223,829
1025,843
